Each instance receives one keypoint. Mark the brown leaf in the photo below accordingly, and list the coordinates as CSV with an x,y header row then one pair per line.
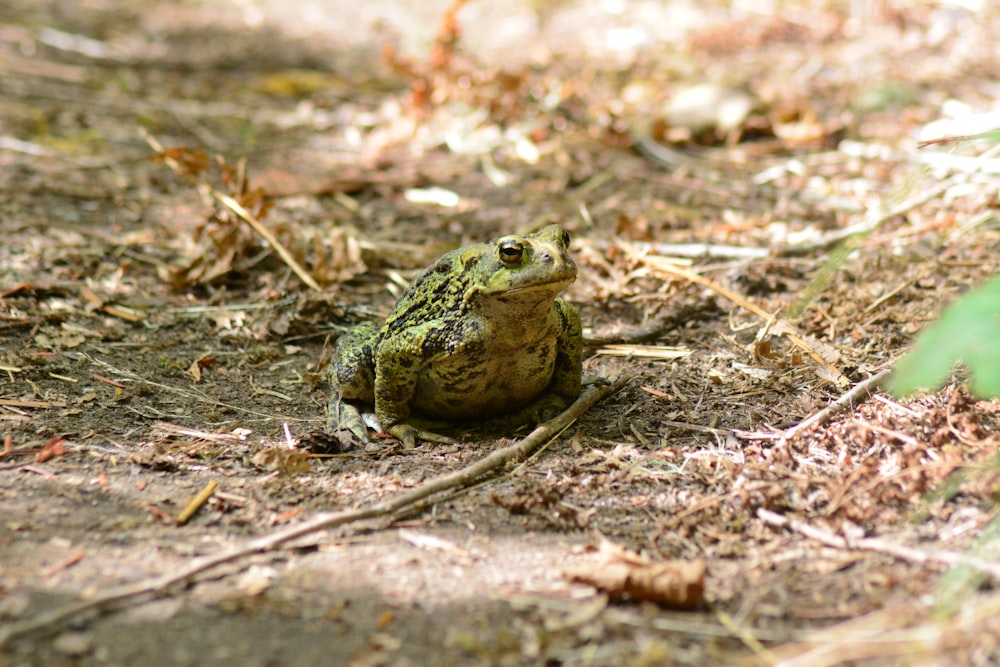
x,y
287,462
191,161
333,256
204,361
52,449
620,573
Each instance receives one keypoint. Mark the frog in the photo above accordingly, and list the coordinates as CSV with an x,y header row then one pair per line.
x,y
481,334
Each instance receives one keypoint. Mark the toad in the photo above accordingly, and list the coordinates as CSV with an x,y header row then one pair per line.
x,y
480,333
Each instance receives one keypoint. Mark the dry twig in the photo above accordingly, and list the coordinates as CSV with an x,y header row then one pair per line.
x,y
240,211
779,326
325,521
900,551
190,394
196,503
848,399
875,218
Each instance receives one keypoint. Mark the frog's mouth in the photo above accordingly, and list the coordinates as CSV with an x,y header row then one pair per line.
x,y
554,286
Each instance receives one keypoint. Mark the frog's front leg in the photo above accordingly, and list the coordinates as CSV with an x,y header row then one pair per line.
x,y
351,375
398,367
567,376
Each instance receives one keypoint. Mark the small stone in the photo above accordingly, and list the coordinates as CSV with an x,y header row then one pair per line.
x,y
13,605
73,643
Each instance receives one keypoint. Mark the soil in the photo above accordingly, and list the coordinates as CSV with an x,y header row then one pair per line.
x,y
153,342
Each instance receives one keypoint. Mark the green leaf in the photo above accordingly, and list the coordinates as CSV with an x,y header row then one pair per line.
x,y
960,583
968,331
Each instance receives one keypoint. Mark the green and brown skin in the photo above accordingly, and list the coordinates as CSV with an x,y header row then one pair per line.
x,y
480,333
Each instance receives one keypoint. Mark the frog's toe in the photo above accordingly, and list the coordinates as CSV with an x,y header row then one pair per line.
x,y
549,413
406,433
345,418
549,407
430,436
409,436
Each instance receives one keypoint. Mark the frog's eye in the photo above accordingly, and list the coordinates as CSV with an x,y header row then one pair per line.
x,y
565,239
511,252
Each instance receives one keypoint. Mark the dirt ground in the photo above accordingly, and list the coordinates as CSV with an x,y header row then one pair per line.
x,y
153,342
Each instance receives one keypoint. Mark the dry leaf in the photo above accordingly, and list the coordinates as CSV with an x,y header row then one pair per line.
x,y
256,580
52,449
204,361
710,106
286,461
332,255
192,162
620,573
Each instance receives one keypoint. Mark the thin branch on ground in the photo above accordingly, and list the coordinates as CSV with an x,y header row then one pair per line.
x,y
874,220
648,330
187,393
15,466
852,396
697,250
325,521
900,551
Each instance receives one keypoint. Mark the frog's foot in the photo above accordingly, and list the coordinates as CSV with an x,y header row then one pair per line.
x,y
539,411
409,435
544,409
595,381
342,417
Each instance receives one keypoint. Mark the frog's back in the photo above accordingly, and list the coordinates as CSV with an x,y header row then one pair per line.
x,y
436,294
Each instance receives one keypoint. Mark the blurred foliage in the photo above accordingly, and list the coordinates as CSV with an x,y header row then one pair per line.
x,y
959,584
968,331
